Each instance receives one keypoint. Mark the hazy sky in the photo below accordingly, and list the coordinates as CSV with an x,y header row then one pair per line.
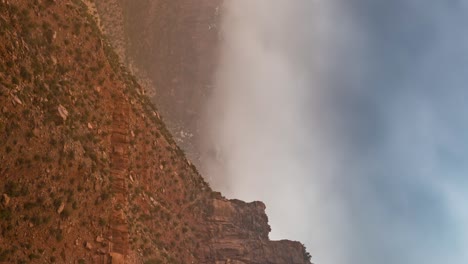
x,y
349,119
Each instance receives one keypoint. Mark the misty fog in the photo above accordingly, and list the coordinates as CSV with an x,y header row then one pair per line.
x,y
348,119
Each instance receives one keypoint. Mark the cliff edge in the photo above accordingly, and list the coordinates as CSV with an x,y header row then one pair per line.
x,y
89,172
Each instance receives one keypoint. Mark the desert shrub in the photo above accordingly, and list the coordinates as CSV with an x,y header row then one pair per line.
x,y
33,256
5,214
102,221
25,74
57,233
14,190
153,261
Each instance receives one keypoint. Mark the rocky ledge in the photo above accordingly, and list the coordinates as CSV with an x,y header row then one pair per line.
x,y
238,234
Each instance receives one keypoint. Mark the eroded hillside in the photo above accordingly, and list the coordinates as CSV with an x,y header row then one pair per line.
x,y
89,172
172,48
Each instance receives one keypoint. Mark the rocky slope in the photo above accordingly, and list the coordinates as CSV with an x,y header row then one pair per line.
x,y
171,46
89,172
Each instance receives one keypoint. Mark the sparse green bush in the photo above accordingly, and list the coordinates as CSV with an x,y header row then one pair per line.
x,y
29,205
4,255
14,190
24,73
102,221
153,261
5,214
33,256
57,233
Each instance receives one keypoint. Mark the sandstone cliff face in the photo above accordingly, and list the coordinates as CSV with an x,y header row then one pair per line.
x,y
172,48
239,234
88,171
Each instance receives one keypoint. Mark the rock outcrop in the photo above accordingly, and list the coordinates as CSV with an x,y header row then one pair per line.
x,y
239,234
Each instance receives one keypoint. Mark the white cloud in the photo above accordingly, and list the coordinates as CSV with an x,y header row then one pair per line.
x,y
334,114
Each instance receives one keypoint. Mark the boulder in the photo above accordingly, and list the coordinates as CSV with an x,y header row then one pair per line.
x,y
5,199
61,207
17,100
63,112
88,246
117,258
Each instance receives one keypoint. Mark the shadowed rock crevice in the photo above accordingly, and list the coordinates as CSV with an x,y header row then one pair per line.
x,y
119,169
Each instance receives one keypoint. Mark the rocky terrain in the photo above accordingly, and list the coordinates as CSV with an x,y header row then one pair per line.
x,y
172,48
89,171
